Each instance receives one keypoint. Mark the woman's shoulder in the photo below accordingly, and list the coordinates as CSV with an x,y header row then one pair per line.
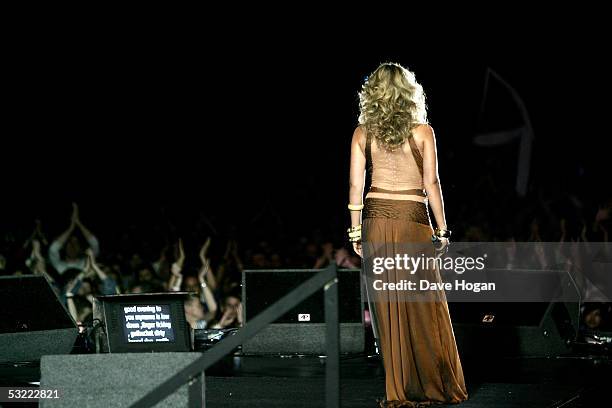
x,y
359,135
423,131
360,131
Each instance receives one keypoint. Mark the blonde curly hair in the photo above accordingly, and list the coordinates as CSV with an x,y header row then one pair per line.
x,y
391,104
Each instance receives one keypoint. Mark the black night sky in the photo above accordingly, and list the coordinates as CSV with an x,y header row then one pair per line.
x,y
136,130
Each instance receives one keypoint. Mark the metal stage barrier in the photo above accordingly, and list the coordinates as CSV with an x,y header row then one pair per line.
x,y
327,280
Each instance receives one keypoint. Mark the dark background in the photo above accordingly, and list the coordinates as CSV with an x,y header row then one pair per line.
x,y
255,137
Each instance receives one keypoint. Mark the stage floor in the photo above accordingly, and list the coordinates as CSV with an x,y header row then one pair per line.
x,y
253,381
257,381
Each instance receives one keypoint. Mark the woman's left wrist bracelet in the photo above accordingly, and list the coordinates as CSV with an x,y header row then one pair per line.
x,y
354,233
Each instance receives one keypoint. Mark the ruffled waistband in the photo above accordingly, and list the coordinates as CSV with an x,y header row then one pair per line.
x,y
408,210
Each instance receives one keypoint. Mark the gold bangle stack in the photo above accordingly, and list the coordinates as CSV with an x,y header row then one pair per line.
x,y
355,207
442,233
354,233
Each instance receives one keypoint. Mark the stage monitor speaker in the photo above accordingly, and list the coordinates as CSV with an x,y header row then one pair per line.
x,y
142,322
302,329
514,329
117,380
33,320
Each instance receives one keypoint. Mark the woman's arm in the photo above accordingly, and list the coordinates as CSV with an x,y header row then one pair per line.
x,y
89,236
37,261
431,180
210,277
56,246
71,290
109,286
357,178
206,295
176,277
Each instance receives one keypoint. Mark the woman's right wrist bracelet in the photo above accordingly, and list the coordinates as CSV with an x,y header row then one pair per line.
x,y
442,233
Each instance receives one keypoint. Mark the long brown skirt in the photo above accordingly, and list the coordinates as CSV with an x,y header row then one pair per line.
x,y
416,338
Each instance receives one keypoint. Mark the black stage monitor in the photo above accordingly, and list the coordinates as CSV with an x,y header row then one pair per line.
x,y
33,320
144,322
302,329
261,288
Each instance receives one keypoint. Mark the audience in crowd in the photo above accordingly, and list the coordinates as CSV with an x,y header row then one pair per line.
x,y
69,241
209,263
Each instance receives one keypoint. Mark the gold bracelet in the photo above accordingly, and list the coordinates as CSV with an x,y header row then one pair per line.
x,y
354,233
355,238
355,207
442,233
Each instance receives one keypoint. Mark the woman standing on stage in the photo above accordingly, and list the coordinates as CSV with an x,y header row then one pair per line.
x,y
396,148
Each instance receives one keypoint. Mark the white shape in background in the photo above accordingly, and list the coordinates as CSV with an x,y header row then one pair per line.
x,y
524,133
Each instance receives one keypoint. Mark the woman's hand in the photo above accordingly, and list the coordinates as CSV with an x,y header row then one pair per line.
x,y
204,251
357,248
239,314
180,259
441,245
228,318
177,265
203,271
74,218
176,269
